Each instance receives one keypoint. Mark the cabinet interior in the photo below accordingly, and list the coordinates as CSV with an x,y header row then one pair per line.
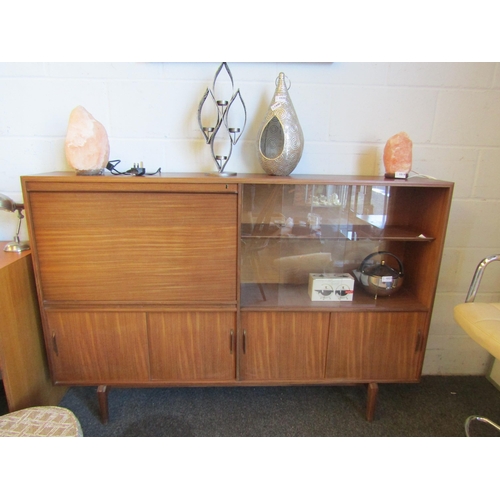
x,y
289,231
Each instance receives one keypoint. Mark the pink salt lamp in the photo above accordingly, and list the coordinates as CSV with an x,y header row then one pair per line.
x,y
87,144
398,156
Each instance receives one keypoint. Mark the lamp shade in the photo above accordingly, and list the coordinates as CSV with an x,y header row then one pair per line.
x,y
8,204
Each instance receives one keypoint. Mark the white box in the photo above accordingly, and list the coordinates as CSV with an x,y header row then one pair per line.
x,y
332,287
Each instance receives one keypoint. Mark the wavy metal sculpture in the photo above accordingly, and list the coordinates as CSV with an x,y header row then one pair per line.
x,y
223,122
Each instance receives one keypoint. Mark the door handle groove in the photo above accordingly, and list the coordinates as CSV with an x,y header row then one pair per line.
x,y
54,343
420,339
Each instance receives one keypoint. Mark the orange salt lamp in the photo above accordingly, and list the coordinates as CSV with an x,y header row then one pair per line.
x,y
398,156
86,144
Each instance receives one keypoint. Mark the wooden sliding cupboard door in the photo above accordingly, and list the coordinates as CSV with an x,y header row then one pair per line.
x,y
97,347
192,346
283,345
365,346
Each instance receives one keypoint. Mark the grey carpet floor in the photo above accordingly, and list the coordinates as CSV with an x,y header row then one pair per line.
x,y
436,407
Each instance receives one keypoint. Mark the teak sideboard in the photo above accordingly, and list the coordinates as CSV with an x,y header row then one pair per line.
x,y
199,280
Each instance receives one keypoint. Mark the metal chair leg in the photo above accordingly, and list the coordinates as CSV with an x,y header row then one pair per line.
x,y
480,419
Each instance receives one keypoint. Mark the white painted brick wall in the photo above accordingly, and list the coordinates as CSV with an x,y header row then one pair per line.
x,y
347,111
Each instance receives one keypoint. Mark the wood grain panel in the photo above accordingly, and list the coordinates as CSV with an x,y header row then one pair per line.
x,y
98,348
77,184
376,346
23,360
140,247
192,346
284,345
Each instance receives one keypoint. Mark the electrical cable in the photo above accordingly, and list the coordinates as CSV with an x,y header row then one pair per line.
x,y
138,170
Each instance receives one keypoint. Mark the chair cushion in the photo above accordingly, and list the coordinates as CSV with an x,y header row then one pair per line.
x,y
481,322
40,421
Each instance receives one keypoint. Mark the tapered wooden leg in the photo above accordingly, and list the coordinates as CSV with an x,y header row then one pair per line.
x,y
371,401
102,396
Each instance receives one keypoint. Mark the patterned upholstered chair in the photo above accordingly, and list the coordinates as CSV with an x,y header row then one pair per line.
x,y
481,321
40,421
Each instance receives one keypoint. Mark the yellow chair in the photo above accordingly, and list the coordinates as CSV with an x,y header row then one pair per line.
x,y
481,321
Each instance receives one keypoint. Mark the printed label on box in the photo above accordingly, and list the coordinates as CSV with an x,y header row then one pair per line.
x,y
332,287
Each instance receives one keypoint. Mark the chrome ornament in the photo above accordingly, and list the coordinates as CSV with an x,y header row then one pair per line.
x,y
280,141
221,118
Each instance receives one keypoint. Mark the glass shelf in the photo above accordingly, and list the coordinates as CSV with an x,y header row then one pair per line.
x,y
331,232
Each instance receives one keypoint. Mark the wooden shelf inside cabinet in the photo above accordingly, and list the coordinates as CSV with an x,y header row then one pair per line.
x,y
295,297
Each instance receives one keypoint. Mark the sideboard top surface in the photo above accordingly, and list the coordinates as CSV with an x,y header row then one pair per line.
x,y
202,178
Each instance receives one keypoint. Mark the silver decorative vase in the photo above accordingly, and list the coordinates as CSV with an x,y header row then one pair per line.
x,y
280,141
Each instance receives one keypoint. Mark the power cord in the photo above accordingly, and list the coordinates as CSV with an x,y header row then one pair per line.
x,y
137,170
417,174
